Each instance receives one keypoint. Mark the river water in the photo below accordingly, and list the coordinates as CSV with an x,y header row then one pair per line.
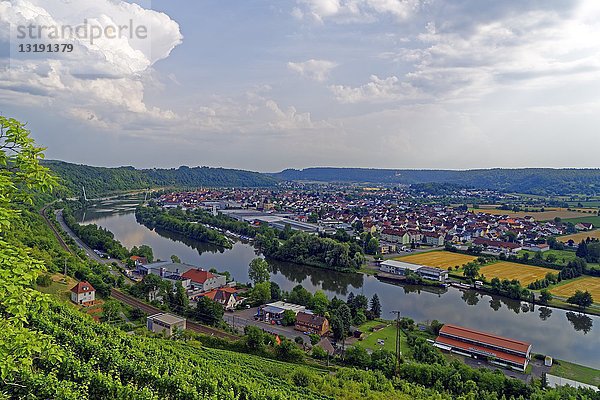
x,y
563,335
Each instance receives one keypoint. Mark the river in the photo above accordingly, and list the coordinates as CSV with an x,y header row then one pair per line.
x,y
563,335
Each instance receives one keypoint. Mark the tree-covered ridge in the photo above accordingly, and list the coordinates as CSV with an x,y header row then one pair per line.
x,y
541,181
101,180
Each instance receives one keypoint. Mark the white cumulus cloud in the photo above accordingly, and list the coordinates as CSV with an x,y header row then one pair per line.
x,y
317,70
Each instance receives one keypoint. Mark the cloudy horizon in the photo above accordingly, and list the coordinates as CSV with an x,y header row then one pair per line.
x,y
270,85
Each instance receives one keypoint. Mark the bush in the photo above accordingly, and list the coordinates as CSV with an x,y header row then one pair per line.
x,y
301,378
319,353
44,280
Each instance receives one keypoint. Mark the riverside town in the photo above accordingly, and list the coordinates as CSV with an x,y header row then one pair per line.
x,y
299,200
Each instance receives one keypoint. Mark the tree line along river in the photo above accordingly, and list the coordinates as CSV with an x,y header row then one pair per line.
x,y
564,335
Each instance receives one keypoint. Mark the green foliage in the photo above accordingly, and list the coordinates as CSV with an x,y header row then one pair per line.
x,y
581,299
99,180
208,311
143,251
259,271
289,318
175,221
303,248
260,293
44,280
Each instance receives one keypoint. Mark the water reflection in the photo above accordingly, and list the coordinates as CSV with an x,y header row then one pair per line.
x,y
337,282
580,322
545,313
470,297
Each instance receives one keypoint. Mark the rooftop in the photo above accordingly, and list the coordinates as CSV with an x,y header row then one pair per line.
x,y
166,318
486,338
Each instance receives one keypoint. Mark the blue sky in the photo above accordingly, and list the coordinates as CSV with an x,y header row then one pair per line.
x,y
267,85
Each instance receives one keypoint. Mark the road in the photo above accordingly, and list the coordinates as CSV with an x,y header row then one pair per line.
x,y
88,250
243,318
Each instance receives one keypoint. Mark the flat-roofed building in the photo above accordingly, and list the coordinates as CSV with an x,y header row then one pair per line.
x,y
400,268
477,344
165,323
274,311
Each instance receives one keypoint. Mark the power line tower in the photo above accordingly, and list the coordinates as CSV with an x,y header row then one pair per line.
x,y
398,343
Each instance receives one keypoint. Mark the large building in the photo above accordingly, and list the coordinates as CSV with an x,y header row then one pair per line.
x,y
311,323
165,323
482,345
400,268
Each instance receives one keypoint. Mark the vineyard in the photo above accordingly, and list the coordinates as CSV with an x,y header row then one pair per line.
x,y
103,362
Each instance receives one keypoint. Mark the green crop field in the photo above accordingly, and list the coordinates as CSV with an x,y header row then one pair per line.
x,y
593,219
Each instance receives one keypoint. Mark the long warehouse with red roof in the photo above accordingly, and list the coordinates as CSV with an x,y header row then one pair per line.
x,y
496,349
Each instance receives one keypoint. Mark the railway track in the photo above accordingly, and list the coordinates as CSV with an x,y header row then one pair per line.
x,y
148,309
55,231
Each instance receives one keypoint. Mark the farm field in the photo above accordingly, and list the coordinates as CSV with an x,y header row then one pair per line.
x,y
438,259
508,270
578,237
593,219
589,283
548,214
562,256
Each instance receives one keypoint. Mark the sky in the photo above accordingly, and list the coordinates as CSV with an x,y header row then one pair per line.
x,y
266,85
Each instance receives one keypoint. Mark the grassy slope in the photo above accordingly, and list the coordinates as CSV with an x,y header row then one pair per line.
x,y
576,372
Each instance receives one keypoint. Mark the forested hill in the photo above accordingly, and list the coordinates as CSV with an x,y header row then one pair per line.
x,y
529,180
101,180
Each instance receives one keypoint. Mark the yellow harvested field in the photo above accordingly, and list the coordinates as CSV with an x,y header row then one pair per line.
x,y
508,270
546,215
589,283
578,237
438,259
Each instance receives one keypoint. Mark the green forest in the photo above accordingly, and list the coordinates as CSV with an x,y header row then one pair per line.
x,y
100,180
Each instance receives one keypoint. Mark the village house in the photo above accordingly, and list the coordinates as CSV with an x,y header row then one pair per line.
x,y
204,280
228,297
311,323
584,226
83,293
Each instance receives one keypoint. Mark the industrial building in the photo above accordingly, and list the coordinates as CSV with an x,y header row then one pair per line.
x,y
497,350
400,268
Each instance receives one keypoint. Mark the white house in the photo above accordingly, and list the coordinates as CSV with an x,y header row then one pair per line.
x,y
83,293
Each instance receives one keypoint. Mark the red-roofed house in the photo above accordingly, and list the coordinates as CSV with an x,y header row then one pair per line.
x,y
228,297
496,349
83,293
204,280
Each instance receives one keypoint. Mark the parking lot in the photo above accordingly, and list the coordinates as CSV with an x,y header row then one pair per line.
x,y
240,319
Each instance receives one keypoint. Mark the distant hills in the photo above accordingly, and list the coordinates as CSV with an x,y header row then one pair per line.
x,y
102,180
541,181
